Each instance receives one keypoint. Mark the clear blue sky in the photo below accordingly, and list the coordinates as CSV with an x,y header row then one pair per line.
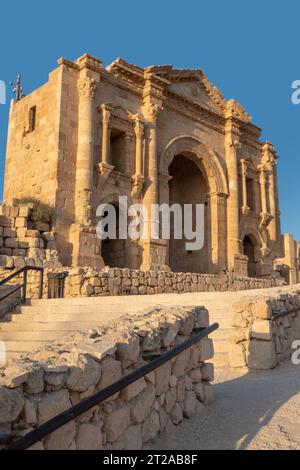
x,y
250,50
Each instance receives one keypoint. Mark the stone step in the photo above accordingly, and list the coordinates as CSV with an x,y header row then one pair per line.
x,y
45,335
220,333
48,326
220,360
52,309
220,345
24,346
77,316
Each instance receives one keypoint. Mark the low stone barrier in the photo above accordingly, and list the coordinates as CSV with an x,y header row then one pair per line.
x,y
258,341
34,390
114,281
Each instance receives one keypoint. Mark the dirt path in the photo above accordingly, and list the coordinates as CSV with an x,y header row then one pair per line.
x,y
257,410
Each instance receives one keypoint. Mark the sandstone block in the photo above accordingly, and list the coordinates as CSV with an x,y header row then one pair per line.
x,y
176,414
11,404
62,438
208,393
89,437
261,355
111,372
134,389
21,222
189,404
207,372
143,404
262,329
52,404
117,422
131,439
9,232
261,309
11,243
87,373
29,412
35,381
162,378
206,349
236,356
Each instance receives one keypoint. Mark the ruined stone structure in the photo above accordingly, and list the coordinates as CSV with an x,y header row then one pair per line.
x,y
156,135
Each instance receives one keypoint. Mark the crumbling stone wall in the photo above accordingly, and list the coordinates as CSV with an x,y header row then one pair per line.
x,y
52,380
259,341
25,240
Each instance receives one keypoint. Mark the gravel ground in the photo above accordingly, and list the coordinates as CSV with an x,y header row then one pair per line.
x,y
256,410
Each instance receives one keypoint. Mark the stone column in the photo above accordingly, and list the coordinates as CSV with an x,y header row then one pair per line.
x,y
106,116
154,249
244,183
85,245
233,241
273,211
84,162
139,134
263,193
217,203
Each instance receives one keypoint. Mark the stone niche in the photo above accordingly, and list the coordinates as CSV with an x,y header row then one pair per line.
x,y
33,390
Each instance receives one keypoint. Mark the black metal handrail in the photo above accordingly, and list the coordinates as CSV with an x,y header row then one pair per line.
x,y
24,270
66,416
276,315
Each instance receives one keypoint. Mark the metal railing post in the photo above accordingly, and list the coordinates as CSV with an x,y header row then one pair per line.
x,y
41,284
24,286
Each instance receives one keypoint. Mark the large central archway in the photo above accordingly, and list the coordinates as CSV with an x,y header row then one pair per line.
x,y
188,186
191,173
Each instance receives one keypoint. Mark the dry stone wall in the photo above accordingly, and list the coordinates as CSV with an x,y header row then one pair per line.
x,y
25,240
258,340
114,281
52,380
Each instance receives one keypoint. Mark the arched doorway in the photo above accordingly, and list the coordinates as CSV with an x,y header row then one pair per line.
x,y
113,251
249,251
187,185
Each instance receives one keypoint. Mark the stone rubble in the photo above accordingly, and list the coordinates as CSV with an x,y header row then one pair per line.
x,y
32,390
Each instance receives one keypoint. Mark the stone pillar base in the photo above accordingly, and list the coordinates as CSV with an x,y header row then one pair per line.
x,y
86,247
154,255
241,265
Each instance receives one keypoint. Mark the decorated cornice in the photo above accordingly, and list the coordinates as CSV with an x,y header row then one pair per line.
x,y
234,109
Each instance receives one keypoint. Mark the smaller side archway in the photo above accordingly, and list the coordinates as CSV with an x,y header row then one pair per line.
x,y
251,249
113,251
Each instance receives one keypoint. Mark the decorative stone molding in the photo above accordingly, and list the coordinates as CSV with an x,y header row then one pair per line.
x,y
204,156
104,169
137,188
234,109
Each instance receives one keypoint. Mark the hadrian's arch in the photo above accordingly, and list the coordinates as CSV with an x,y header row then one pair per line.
x,y
190,173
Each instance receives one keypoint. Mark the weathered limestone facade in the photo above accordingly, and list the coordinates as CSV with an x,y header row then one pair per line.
x,y
155,135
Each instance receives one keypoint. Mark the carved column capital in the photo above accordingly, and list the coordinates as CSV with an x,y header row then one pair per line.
x,y
233,145
87,87
262,173
151,112
106,114
244,166
139,127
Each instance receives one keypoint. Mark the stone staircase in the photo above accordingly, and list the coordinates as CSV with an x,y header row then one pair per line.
x,y
43,321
